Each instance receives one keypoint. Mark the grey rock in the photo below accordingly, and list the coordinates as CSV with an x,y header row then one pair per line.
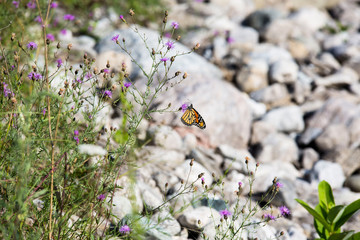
x,y
335,136
336,110
269,53
310,18
191,173
151,196
165,137
258,109
253,76
344,76
120,206
353,182
278,146
260,129
161,156
207,158
284,71
302,88
309,157
268,171
221,48
354,129
286,119
274,95
260,19
166,222
328,171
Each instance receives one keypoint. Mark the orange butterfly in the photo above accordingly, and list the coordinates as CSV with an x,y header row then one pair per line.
x,y
192,117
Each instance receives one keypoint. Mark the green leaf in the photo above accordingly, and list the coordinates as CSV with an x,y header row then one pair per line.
x,y
335,213
326,196
315,214
349,210
342,236
356,236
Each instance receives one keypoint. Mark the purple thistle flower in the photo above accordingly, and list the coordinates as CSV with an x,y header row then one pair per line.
x,y
165,59
77,139
122,18
127,84
107,93
268,216
125,229
59,62
284,211
240,184
38,19
169,44
230,40
88,75
184,107
78,80
76,132
63,31
50,37
31,45
225,213
106,70
34,76
69,17
31,4
16,4
101,197
54,5
7,92
175,25
279,185
44,111
115,38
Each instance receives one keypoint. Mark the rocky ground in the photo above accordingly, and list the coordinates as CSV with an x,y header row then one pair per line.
x,y
275,81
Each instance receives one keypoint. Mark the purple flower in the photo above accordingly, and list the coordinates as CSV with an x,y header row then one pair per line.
x,y
169,44
31,45
125,229
284,211
76,139
34,76
184,107
7,92
127,84
107,93
50,37
31,4
54,5
101,197
225,213
268,216
122,18
168,35
115,38
164,59
69,17
175,25
44,111
38,19
279,185
76,132
16,4
106,70
88,75
230,40
59,62
63,31
78,80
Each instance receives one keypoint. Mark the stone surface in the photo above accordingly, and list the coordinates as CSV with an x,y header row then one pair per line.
x,y
286,119
328,171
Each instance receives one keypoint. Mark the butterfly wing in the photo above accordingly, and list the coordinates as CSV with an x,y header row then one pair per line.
x,y
199,121
192,117
188,118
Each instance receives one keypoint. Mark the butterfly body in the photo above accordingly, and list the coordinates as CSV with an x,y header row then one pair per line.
x,y
192,117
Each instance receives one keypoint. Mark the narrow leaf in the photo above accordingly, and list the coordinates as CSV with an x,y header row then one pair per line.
x,y
348,212
315,214
326,196
342,236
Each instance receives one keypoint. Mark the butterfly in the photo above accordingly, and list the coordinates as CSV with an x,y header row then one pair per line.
x,y
192,117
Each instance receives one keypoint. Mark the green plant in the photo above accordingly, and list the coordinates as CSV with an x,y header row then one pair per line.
x,y
328,217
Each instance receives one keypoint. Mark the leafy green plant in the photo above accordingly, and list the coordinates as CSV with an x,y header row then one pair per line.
x,y
328,217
